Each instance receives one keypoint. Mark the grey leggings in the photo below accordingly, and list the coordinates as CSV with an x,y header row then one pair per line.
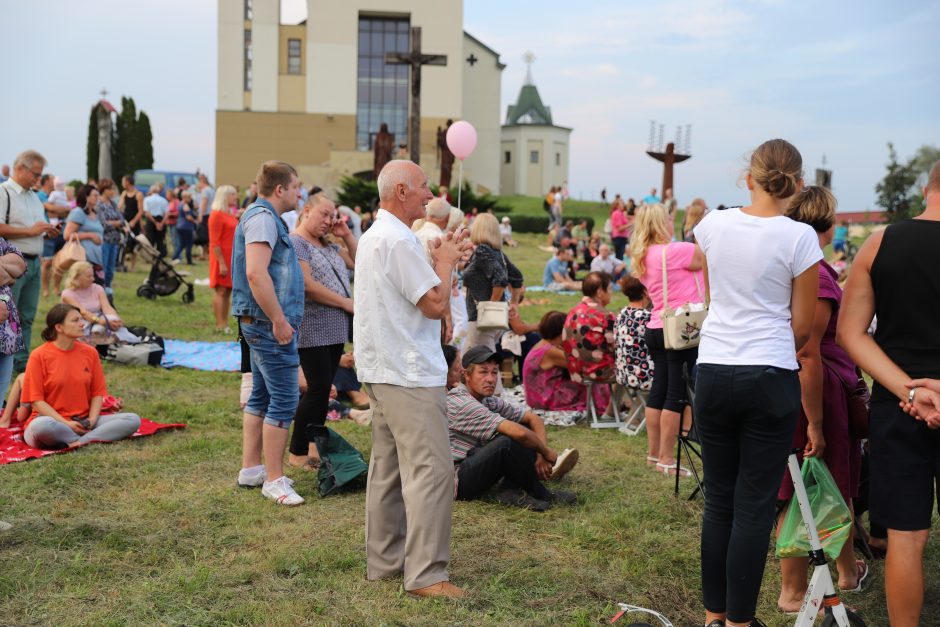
x,y
48,433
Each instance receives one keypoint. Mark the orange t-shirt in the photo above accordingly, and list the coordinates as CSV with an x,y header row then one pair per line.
x,y
66,380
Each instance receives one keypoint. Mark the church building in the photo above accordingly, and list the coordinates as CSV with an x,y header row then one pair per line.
x,y
534,151
315,94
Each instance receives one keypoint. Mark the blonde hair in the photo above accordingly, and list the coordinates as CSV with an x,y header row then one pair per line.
x,y
485,230
650,227
815,206
71,279
218,202
693,214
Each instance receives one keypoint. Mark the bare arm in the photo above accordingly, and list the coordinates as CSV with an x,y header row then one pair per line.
x,y
803,305
257,259
553,358
321,294
698,260
497,293
10,232
527,438
14,264
94,410
811,379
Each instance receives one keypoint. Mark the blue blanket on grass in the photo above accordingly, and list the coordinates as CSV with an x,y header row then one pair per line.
x,y
225,356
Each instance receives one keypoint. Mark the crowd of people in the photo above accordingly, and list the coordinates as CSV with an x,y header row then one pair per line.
x,y
431,302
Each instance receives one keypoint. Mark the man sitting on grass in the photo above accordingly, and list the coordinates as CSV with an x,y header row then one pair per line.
x,y
491,439
556,277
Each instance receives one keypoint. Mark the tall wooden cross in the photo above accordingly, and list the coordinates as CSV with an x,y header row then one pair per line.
x,y
415,59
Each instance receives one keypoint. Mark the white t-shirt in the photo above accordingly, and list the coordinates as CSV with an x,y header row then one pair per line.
x,y
751,266
290,219
394,342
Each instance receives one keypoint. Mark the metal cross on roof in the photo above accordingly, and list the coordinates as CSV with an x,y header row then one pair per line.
x,y
529,58
472,59
104,93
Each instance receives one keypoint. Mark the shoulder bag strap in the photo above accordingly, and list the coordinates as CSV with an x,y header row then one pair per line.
x,y
332,267
6,220
665,282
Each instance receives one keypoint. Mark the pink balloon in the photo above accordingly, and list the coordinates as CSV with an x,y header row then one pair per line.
x,y
461,139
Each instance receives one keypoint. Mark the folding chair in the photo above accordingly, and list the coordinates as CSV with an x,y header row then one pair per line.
x,y
688,444
596,421
636,420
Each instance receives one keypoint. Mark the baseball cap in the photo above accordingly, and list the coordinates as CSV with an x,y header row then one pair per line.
x,y
478,355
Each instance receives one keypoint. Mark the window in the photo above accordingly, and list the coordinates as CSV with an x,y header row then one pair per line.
x,y
534,156
507,157
293,56
557,158
247,77
248,10
383,89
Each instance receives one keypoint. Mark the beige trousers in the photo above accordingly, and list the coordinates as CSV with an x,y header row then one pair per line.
x,y
410,492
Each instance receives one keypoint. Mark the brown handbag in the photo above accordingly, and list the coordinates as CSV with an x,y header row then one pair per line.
x,y
70,253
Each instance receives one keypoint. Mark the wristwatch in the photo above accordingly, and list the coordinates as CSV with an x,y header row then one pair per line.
x,y
910,395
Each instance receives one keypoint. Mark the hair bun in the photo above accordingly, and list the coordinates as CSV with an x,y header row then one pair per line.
x,y
780,184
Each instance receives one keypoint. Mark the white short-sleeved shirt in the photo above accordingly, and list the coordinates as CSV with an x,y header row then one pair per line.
x,y
394,342
25,210
752,262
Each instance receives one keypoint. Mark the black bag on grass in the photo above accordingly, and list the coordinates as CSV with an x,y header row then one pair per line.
x,y
342,468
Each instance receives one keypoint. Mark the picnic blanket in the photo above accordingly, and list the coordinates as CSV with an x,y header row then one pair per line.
x,y
539,288
225,356
14,449
516,396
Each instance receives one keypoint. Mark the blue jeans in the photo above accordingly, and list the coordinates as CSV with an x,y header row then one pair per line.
x,y
6,371
26,297
109,255
275,390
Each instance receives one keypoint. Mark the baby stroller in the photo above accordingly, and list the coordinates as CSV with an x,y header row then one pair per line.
x,y
163,279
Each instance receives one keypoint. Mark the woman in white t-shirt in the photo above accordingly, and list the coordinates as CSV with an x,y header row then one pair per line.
x,y
761,274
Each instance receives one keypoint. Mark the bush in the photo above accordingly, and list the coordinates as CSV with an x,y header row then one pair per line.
x,y
468,199
355,191
539,224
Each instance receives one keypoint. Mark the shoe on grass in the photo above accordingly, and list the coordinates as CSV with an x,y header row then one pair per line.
x,y
281,491
519,498
440,589
252,477
565,498
564,463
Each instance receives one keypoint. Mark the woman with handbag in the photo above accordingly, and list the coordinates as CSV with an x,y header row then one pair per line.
x,y
12,266
828,379
668,270
486,278
102,322
762,278
84,225
327,321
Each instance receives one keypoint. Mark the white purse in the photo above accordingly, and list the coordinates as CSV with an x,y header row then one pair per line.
x,y
492,315
682,327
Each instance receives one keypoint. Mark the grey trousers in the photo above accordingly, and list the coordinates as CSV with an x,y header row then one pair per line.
x,y
410,492
48,433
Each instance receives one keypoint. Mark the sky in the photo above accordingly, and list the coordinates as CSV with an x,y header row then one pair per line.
x,y
838,79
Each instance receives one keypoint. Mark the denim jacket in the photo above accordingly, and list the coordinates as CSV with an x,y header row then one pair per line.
x,y
284,270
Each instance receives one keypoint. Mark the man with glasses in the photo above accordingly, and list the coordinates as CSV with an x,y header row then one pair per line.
x,y
23,223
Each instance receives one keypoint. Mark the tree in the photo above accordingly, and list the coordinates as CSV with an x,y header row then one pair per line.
x,y
91,165
144,141
896,189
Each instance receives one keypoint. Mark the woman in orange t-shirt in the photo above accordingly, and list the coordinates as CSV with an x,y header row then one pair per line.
x,y
222,223
65,385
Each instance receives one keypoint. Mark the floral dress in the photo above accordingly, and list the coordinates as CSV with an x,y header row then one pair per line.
x,y
11,335
634,363
588,342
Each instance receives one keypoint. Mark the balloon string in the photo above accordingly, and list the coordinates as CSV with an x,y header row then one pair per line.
x,y
459,183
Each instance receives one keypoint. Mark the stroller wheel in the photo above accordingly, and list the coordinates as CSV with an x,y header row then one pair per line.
x,y
188,297
145,291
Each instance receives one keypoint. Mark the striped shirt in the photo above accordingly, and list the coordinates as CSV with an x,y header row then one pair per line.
x,y
474,423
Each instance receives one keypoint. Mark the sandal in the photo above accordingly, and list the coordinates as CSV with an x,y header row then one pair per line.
x,y
673,469
862,572
651,461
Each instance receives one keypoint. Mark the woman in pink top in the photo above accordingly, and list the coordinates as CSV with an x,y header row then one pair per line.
x,y
652,235
619,227
89,298
545,376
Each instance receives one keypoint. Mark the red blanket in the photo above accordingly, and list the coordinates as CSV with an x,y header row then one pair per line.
x,y
14,449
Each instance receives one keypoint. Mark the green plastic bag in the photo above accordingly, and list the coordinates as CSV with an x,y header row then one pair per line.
x,y
830,513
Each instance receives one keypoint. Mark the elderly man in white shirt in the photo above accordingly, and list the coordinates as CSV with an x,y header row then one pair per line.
x,y
436,217
23,223
400,301
605,262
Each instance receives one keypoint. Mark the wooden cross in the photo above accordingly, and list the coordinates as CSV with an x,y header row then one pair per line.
x,y
472,59
415,59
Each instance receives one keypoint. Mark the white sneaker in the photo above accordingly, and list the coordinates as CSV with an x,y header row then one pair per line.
x,y
564,463
251,477
281,491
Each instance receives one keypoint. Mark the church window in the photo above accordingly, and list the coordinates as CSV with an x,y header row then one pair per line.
x,y
293,56
533,156
247,77
383,90
507,157
557,158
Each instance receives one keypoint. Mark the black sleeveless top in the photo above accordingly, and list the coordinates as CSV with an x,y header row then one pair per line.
x,y
130,207
905,276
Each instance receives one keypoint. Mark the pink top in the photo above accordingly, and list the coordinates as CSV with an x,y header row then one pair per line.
x,y
682,282
619,224
552,389
87,298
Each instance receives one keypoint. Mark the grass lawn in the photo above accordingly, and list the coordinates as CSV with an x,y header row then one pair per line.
x,y
154,531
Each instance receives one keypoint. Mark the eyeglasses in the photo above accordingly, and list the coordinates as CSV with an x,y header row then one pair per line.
x,y
36,174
